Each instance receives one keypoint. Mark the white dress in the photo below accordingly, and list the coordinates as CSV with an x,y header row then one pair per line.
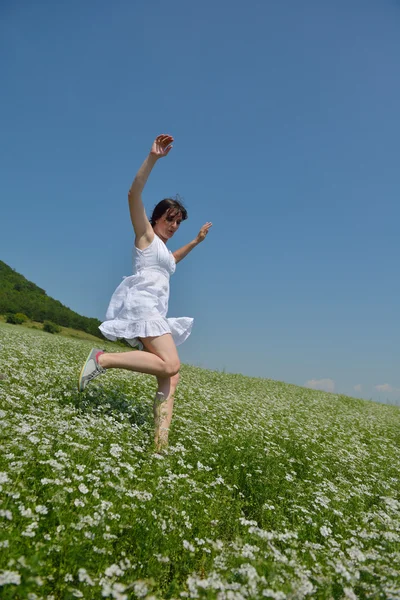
x,y
138,308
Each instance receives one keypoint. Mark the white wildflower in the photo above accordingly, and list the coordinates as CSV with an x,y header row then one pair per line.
x,y
115,450
79,502
322,500
202,467
217,544
140,588
7,514
82,488
158,456
42,510
113,570
28,533
7,577
248,551
84,577
391,536
29,530
25,428
356,554
115,591
161,558
341,569
141,495
275,595
390,502
244,521
325,531
61,454
188,546
33,439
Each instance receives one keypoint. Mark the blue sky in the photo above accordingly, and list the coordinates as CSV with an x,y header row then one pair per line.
x,y
286,124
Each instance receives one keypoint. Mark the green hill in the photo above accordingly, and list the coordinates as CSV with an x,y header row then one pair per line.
x,y
19,295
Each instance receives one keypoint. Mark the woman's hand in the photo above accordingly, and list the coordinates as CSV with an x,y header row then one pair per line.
x,y
203,232
161,146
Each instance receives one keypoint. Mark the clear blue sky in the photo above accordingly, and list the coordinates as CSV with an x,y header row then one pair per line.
x,y
287,137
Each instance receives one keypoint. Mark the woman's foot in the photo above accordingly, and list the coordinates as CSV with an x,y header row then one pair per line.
x,y
91,369
162,439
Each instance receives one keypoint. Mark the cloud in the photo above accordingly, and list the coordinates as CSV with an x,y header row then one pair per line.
x,y
358,387
326,385
386,387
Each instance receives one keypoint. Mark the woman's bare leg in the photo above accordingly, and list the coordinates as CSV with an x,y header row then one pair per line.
x,y
162,409
161,358
164,348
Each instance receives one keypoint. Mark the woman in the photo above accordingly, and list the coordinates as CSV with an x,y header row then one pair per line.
x,y
138,307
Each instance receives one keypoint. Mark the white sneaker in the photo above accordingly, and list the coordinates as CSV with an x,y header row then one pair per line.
x,y
91,369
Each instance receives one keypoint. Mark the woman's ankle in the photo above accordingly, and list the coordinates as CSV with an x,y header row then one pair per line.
x,y
102,360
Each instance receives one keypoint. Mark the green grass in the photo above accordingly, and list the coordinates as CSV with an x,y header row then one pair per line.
x,y
267,490
66,332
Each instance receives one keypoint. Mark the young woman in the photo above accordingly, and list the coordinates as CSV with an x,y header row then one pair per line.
x,y
138,307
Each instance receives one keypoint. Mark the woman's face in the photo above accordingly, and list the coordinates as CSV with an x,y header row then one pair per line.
x,y
167,225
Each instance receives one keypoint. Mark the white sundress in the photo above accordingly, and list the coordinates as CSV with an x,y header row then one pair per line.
x,y
138,307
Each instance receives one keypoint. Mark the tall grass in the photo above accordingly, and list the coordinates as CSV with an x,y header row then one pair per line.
x,y
267,490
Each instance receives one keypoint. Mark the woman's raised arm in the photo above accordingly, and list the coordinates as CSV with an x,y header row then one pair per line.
x,y
160,148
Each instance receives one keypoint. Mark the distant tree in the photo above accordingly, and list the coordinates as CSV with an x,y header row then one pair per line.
x,y
14,319
51,327
21,316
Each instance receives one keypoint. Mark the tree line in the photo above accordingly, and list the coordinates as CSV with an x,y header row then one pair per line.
x,y
19,295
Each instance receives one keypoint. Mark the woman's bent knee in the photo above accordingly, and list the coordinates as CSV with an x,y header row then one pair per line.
x,y
172,368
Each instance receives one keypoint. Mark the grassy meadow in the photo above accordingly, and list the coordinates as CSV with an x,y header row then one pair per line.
x,y
267,490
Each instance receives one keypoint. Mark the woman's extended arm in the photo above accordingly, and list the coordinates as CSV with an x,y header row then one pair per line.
x,y
184,251
161,147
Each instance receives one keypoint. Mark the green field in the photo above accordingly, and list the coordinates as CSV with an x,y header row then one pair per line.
x,y
65,331
267,490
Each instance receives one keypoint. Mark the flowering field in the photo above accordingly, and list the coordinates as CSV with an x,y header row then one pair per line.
x,y
267,490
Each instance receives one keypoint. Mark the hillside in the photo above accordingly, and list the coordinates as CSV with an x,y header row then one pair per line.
x,y
19,295
267,490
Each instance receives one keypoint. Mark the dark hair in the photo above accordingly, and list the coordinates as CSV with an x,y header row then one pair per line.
x,y
171,206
